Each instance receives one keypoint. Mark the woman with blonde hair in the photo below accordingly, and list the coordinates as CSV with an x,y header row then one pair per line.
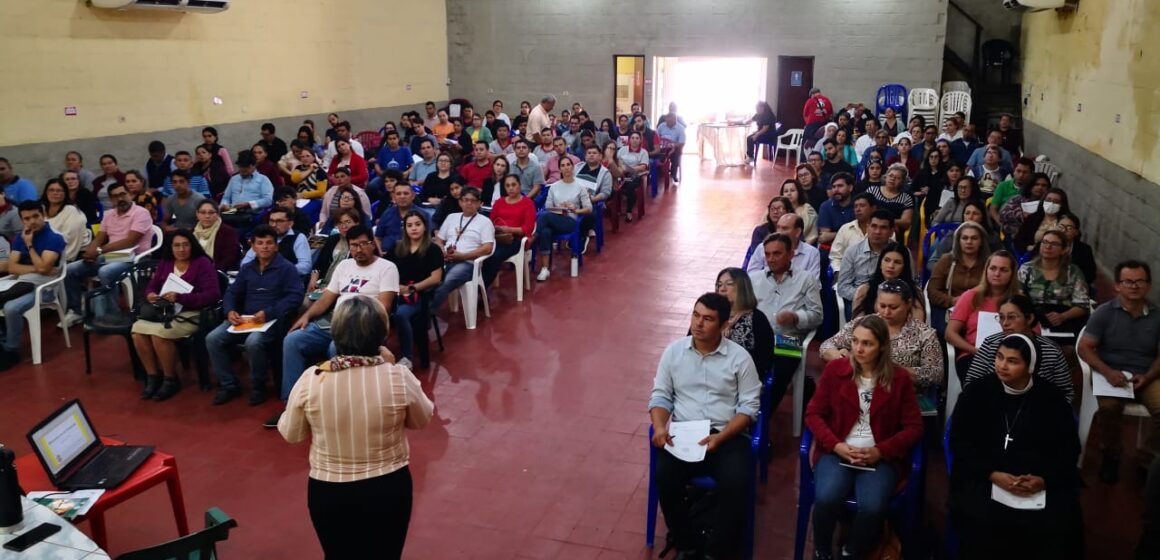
x,y
355,407
997,283
858,447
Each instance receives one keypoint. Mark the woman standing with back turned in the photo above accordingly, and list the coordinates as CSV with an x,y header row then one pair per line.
x,y
359,494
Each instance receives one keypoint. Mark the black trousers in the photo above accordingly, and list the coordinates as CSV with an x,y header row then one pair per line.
x,y
628,191
729,466
1149,545
751,142
363,519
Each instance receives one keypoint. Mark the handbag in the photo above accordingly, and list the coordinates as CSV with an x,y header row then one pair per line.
x,y
161,311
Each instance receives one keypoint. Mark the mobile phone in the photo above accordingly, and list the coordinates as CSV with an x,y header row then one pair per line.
x,y
37,534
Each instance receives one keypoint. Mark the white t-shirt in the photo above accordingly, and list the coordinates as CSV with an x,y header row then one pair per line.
x,y
350,279
861,435
466,234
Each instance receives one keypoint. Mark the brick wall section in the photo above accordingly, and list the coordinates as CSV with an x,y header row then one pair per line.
x,y
1120,210
523,49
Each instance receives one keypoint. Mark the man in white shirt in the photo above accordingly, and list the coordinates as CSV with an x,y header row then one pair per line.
x,y
432,117
342,129
852,232
363,273
805,256
866,141
464,237
538,118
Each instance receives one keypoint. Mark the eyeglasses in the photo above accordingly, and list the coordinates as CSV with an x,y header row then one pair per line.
x,y
1134,283
359,244
1046,243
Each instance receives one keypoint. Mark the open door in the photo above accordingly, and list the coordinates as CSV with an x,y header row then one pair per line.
x,y
795,77
629,83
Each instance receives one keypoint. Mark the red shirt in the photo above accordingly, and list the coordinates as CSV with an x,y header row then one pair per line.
x,y
521,214
817,109
894,416
359,174
474,175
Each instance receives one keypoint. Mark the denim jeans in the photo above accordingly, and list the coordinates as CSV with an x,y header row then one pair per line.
x,y
404,314
549,225
454,276
297,348
14,319
108,273
257,345
872,490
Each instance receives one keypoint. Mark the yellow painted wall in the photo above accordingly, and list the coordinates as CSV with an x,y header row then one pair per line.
x,y
141,71
1103,56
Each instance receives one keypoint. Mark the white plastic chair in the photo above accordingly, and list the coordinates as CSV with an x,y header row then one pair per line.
x,y
55,289
953,102
522,262
924,102
956,86
1088,407
1044,165
158,239
791,141
472,292
954,386
799,386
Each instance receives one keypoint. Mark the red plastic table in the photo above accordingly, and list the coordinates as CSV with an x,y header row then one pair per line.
x,y
159,467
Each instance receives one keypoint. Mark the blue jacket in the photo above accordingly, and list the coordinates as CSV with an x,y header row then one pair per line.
x,y
390,228
278,290
19,190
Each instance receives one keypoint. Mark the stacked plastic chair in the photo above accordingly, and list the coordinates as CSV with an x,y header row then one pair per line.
x,y
923,102
953,102
893,96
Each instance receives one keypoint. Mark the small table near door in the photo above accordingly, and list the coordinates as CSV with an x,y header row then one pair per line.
x,y
159,467
726,140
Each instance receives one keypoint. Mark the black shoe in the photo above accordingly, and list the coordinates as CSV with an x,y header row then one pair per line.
x,y
171,386
272,422
225,395
258,396
8,359
628,218
152,385
1110,469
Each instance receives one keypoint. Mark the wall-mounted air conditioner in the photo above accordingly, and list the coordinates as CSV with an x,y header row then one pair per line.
x,y
201,6
1039,5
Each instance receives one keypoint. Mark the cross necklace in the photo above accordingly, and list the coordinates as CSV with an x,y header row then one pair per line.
x,y
1007,439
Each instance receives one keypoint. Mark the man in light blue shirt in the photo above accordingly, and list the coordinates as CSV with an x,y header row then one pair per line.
x,y
673,131
16,189
705,377
184,161
425,166
247,192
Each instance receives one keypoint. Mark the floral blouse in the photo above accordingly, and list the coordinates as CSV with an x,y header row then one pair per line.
x,y
915,347
1070,288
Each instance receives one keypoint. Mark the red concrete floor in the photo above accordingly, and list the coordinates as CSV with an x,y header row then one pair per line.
x,y
538,447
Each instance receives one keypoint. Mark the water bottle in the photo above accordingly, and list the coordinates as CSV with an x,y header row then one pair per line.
x,y
11,509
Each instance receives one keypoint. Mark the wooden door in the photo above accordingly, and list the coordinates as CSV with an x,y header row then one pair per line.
x,y
795,77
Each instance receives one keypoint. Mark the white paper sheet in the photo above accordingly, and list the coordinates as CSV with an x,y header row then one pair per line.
x,y
687,438
1035,501
945,197
416,158
261,328
174,283
1030,207
988,325
1057,334
302,202
1102,388
85,498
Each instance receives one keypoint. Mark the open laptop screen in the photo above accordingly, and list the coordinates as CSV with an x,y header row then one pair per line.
x,y
63,438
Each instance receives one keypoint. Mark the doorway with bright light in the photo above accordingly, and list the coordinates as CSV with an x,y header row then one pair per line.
x,y
707,89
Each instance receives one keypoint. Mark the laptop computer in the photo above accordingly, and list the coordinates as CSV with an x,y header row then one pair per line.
x,y
73,455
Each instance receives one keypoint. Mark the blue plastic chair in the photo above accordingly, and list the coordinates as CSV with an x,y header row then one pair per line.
x,y
952,537
893,96
542,198
706,483
574,239
933,237
908,503
764,443
598,217
313,209
745,261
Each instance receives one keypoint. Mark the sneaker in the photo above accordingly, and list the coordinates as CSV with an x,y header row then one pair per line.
x,y
543,275
405,362
258,396
272,423
1110,469
225,395
71,319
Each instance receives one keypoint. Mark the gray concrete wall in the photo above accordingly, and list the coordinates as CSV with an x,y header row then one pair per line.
x,y
1120,210
41,161
521,49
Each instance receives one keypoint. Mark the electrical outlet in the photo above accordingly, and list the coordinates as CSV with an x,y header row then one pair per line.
x,y
304,94
1079,107
1041,96
565,93
408,87
1117,118
491,90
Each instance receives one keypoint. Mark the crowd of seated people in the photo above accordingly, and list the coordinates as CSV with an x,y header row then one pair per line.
x,y
304,225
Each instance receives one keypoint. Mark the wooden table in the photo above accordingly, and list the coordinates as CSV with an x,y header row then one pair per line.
x,y
67,544
159,467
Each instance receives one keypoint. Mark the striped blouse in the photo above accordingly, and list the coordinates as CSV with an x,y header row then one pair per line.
x,y
355,417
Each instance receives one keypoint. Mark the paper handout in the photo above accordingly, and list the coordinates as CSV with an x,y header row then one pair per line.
x,y
687,438
1102,388
1037,500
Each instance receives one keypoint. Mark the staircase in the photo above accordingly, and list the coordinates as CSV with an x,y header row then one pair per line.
x,y
963,60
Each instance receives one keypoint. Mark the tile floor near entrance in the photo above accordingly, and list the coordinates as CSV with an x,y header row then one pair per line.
x,y
538,446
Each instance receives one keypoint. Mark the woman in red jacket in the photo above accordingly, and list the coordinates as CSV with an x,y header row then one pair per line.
x,y
346,157
865,418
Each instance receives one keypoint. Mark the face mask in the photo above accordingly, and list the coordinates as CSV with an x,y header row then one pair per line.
x,y
1050,208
